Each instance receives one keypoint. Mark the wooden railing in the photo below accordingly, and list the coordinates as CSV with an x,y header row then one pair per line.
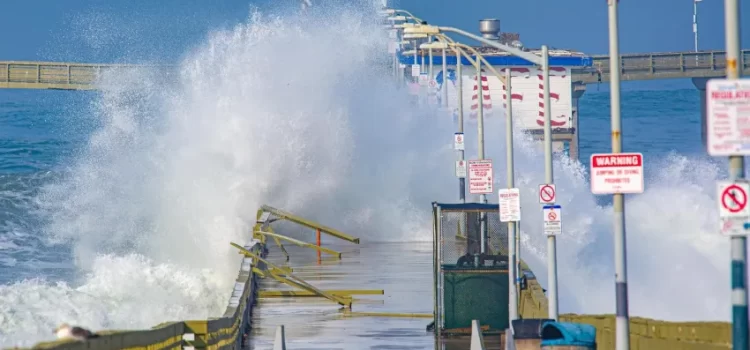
x,y
707,64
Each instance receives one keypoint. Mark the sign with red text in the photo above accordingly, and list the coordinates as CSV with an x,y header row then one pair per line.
x,y
510,204
613,173
480,176
728,117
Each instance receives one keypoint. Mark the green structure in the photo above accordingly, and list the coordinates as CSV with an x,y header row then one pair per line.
x,y
470,283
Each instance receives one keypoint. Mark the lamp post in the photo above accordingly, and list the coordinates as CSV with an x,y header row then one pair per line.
x,y
695,23
549,178
506,79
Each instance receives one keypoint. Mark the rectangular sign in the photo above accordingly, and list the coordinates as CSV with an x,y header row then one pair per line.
x,y
510,204
617,173
552,220
458,141
461,169
728,117
414,70
480,176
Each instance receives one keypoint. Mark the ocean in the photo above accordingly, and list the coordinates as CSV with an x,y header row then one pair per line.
x,y
118,205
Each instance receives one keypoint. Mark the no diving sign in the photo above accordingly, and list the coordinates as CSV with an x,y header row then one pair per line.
x,y
732,198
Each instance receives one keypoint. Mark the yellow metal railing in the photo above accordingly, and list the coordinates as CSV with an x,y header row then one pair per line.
x,y
218,333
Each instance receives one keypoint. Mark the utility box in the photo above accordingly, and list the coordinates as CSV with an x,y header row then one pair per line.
x,y
471,283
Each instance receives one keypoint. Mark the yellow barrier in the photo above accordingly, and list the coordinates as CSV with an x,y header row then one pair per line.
x,y
647,334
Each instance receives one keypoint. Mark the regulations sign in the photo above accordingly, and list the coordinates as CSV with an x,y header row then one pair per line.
x,y
458,141
546,193
616,173
510,204
461,168
552,220
728,117
415,70
480,176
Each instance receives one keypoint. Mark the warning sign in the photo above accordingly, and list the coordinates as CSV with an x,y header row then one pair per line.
x,y
510,204
480,176
461,169
617,173
547,193
458,141
552,220
728,117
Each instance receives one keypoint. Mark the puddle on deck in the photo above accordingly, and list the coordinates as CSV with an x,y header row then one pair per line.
x,y
402,270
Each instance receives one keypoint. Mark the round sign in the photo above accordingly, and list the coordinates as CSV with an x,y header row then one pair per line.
x,y
734,199
547,194
459,138
461,162
552,216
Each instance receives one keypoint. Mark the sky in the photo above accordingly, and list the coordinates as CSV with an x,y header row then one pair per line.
x,y
105,31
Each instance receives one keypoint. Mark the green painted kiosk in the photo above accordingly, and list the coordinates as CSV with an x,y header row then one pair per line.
x,y
470,267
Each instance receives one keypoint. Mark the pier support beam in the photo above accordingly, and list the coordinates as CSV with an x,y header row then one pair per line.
x,y
700,84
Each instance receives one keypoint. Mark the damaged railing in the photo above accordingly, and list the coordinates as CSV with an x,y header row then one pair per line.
x,y
232,329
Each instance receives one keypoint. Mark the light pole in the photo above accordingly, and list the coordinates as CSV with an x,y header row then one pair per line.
x,y
695,23
736,173
544,63
622,319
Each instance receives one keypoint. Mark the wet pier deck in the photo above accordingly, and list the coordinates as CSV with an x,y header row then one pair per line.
x,y
402,270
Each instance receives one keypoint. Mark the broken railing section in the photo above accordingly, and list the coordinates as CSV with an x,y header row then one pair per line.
x,y
268,215
282,276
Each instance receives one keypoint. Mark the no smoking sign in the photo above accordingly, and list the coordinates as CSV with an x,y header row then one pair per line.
x,y
732,199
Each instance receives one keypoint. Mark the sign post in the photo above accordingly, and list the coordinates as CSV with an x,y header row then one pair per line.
x,y
480,176
727,112
552,220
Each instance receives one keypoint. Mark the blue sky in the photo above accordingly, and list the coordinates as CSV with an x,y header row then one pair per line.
x,y
148,30
62,30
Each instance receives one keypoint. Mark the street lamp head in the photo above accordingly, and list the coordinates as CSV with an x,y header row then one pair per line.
x,y
408,52
387,12
397,18
423,29
414,36
403,25
435,45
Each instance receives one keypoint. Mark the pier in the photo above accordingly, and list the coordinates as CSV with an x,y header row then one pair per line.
x,y
329,290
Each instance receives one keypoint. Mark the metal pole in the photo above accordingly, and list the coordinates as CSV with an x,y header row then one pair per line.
x,y
513,312
695,23
622,322
460,96
416,46
445,76
736,172
432,76
548,178
480,131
